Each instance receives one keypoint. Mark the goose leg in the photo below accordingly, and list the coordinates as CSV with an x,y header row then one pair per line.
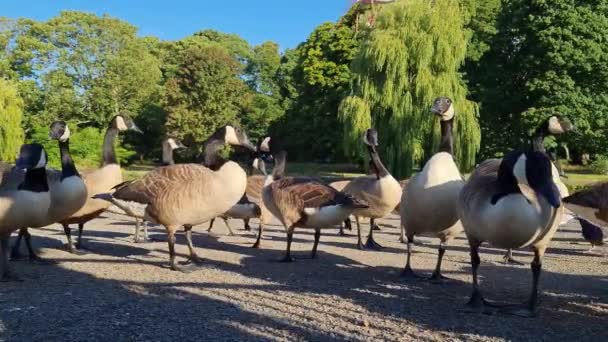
x,y
371,243
476,302
171,241
16,250
5,272
30,248
359,243
259,239
408,272
146,238
80,243
437,276
288,257
211,224
347,224
194,259
230,232
528,309
314,247
508,258
68,235
247,227
136,237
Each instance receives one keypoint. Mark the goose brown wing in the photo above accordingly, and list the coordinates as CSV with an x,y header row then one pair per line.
x,y
594,197
255,184
158,182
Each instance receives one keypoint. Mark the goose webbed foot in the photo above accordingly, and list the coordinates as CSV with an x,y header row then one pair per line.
x,y
143,240
477,304
372,244
509,260
193,261
256,244
39,260
72,250
438,278
287,258
375,227
408,273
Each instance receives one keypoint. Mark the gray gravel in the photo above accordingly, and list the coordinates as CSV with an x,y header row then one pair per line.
x,y
121,291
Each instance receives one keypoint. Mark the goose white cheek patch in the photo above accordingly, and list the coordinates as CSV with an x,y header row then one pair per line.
x,y
519,170
120,124
66,135
230,137
265,145
554,126
256,163
449,114
41,161
172,144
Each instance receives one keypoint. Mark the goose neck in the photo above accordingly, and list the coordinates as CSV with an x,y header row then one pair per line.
x,y
68,168
447,137
506,182
379,168
212,148
538,140
109,151
279,168
167,155
35,180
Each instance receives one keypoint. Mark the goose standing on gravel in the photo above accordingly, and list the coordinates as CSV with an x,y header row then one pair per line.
x,y
67,189
25,206
380,191
303,202
190,194
99,181
429,202
513,203
555,125
137,210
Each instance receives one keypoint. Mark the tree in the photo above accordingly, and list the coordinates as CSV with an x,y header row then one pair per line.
x,y
11,111
412,55
313,80
547,57
205,93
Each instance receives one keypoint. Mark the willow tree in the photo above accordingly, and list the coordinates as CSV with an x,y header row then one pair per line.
x,y
410,56
11,110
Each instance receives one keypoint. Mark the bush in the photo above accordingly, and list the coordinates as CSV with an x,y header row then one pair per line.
x,y
600,165
85,146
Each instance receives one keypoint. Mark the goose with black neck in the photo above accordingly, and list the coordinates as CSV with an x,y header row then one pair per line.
x,y
429,201
190,194
99,181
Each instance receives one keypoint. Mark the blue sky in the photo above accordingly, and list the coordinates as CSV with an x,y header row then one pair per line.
x,y
287,22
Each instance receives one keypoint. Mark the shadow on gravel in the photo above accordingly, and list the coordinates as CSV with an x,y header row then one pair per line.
x,y
69,305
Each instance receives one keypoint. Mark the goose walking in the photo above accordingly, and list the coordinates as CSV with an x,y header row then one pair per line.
x,y
190,194
380,191
511,203
591,207
301,202
429,201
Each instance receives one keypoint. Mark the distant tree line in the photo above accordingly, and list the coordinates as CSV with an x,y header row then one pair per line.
x,y
507,64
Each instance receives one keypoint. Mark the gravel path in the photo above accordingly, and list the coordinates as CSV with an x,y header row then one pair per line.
x,y
121,291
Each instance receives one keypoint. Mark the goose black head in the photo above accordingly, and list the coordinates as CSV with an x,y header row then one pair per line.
x,y
443,108
31,156
123,122
59,131
370,137
534,169
233,136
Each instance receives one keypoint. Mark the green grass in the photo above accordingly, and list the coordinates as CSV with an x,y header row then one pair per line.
x,y
580,176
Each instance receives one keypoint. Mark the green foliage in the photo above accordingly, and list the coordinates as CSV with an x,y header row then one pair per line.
x,y
85,146
11,111
600,165
412,55
314,78
205,94
547,57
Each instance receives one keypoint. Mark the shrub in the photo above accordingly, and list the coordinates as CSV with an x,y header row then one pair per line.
x,y
600,165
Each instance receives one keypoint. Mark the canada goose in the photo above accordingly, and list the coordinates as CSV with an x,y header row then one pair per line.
x,y
27,205
301,201
428,204
380,191
67,189
250,205
512,203
99,181
592,233
137,210
554,125
591,205
190,194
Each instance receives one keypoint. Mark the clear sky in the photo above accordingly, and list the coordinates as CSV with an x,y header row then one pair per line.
x,y
287,22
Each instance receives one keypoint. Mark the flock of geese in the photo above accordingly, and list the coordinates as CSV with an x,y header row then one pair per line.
x,y
514,202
